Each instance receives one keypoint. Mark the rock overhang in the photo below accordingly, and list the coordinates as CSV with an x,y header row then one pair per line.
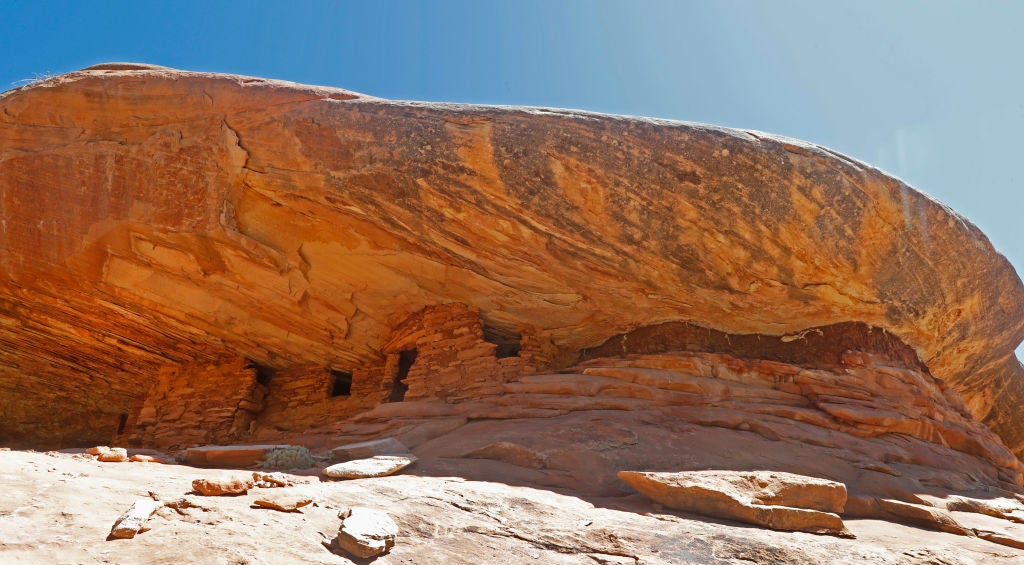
x,y
154,215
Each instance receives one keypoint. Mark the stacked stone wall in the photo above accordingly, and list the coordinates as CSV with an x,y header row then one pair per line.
x,y
198,403
234,400
453,359
303,397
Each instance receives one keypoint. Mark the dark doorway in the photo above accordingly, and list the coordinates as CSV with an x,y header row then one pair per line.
x,y
342,383
263,373
405,361
122,422
508,342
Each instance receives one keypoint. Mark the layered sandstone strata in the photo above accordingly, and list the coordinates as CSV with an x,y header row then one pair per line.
x,y
523,297
151,218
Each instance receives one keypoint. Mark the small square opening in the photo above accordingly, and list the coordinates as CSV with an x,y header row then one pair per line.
x,y
263,372
342,383
508,342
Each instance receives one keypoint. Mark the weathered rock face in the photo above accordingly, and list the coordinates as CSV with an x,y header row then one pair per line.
x,y
900,443
152,217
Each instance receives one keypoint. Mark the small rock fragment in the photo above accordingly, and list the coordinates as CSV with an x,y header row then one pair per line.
x,y
271,480
139,458
221,487
366,532
182,504
290,503
132,521
378,466
109,454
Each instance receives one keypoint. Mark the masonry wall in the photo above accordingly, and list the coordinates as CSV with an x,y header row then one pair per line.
x,y
198,403
453,359
233,400
303,397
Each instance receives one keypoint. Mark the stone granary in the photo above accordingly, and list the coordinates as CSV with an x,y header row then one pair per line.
x,y
440,352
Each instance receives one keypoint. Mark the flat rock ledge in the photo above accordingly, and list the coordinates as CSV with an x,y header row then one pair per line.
x,y
367,449
264,456
780,501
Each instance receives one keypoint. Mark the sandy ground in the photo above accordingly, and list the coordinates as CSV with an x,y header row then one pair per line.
x,y
59,508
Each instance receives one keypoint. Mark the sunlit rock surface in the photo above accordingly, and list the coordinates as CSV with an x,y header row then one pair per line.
x,y
152,216
530,300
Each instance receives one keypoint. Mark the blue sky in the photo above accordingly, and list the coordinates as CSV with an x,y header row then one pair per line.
x,y
931,91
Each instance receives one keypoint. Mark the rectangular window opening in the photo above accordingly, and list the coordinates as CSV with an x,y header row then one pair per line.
x,y
263,372
342,383
508,343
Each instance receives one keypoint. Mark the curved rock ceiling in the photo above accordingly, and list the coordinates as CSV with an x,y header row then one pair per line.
x,y
149,215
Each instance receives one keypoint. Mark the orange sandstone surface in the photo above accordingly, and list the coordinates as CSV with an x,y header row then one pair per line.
x,y
526,298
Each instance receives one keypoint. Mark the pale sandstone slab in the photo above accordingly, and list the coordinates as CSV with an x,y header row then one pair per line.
x,y
780,501
377,466
283,503
140,458
134,519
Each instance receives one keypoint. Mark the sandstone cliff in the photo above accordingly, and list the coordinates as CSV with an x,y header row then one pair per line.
x,y
153,217
550,309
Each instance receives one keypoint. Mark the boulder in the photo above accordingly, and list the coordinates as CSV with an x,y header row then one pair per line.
x,y
366,532
780,501
223,486
377,466
109,454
